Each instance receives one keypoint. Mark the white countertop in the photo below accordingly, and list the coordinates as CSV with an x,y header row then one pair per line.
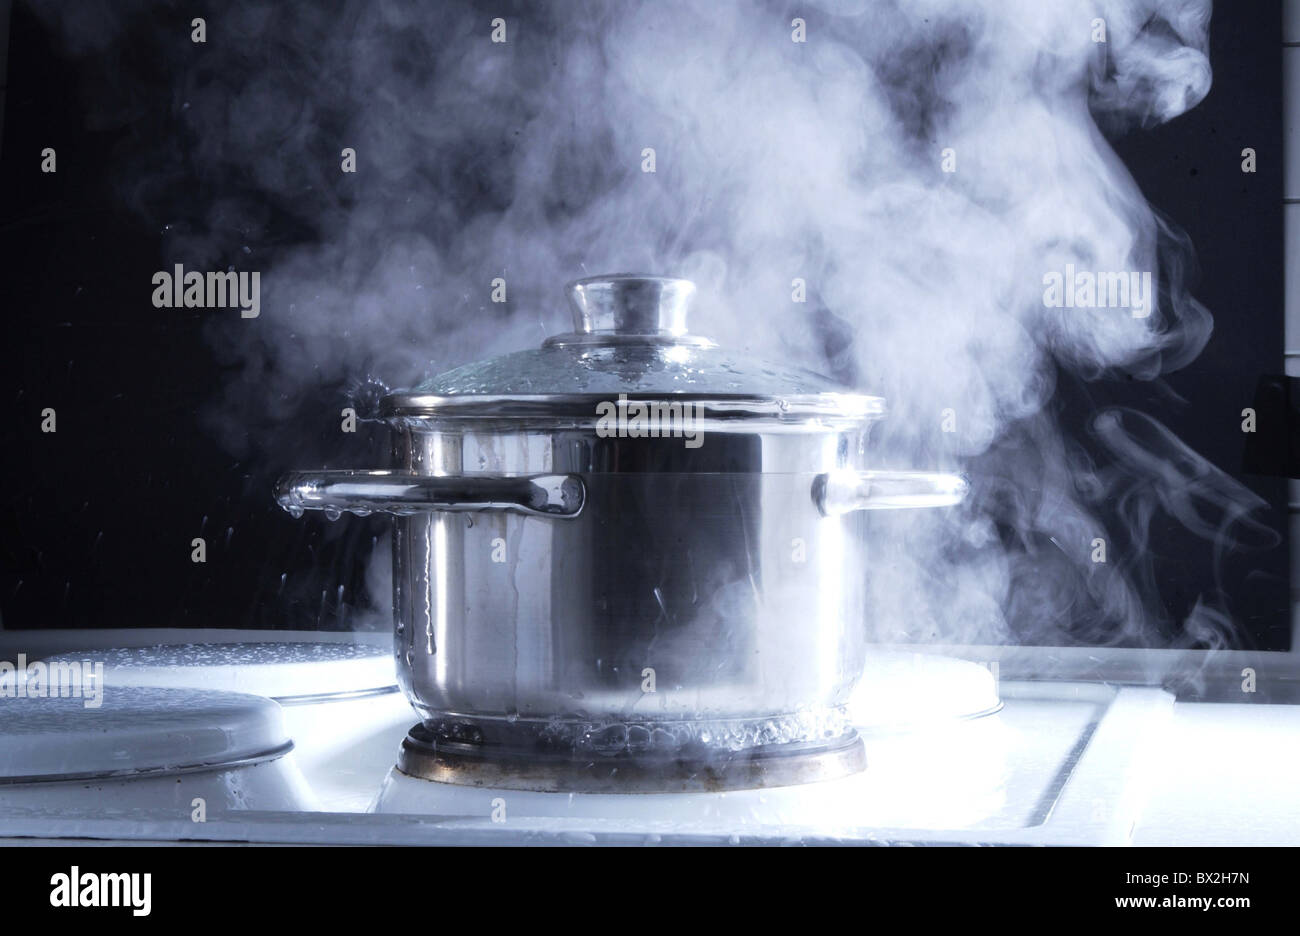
x,y
1227,774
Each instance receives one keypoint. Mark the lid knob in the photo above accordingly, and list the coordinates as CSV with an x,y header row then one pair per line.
x,y
630,304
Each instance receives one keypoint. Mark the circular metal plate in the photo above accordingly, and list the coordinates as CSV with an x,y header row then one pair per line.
x,y
777,765
130,731
289,672
905,690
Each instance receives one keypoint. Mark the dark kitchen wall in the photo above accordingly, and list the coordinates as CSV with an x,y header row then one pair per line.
x,y
1190,169
98,518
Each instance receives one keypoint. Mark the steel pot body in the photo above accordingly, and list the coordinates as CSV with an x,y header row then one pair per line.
x,y
696,586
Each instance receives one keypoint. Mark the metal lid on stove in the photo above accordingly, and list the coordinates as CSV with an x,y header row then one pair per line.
x,y
134,732
288,671
630,338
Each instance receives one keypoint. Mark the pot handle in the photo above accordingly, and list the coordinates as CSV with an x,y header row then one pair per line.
x,y
395,492
839,492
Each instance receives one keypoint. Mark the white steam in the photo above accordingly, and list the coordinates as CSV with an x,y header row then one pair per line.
x,y
775,160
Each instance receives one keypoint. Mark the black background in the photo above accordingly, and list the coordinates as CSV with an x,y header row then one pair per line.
x,y
947,881
96,520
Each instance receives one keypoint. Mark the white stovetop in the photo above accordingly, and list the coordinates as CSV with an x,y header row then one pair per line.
x,y
1063,763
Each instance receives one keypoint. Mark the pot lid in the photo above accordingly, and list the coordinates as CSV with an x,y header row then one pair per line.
x,y
629,338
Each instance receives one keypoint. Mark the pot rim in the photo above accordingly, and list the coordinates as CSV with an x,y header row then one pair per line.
x,y
814,409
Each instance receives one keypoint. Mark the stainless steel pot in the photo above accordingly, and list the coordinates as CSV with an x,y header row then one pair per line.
x,y
567,581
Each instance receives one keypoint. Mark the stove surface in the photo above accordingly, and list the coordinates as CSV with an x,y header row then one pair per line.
x,y
1060,763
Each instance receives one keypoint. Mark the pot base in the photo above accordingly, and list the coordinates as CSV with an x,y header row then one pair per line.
x,y
429,758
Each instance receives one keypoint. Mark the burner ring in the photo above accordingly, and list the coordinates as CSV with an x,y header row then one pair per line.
x,y
425,757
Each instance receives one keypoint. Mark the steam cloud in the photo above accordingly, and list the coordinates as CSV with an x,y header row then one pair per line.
x,y
774,160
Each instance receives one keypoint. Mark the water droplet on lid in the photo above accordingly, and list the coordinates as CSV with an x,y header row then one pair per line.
x,y
332,513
